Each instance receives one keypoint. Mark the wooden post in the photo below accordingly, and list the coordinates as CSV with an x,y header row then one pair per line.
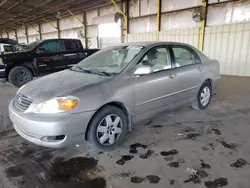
x,y
27,36
85,29
40,31
16,35
158,19
58,28
203,25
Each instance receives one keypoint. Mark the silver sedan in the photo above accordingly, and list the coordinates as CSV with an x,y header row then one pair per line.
x,y
100,99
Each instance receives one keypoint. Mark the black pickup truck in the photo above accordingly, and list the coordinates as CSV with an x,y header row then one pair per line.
x,y
40,58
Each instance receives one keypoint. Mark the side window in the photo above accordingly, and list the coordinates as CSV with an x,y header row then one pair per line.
x,y
158,58
184,57
50,47
71,44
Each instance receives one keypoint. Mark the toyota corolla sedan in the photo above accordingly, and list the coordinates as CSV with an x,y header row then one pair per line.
x,y
100,99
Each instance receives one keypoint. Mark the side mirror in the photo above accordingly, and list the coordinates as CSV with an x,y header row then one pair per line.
x,y
143,70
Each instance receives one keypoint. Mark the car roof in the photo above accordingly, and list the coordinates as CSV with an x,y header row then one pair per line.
x,y
152,43
44,40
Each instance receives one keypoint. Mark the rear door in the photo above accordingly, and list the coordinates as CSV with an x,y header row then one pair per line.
x,y
188,72
73,52
49,57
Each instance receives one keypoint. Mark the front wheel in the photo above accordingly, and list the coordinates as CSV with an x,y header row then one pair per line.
x,y
203,98
18,76
107,128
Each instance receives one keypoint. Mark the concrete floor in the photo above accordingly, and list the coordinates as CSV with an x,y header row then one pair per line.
x,y
182,148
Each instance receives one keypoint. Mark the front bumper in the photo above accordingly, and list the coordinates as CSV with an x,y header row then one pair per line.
x,y
2,72
34,127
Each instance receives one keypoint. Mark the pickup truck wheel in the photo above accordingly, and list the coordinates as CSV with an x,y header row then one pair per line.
x,y
107,128
18,76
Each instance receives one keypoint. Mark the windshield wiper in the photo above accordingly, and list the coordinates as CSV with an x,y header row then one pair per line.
x,y
93,71
80,69
105,73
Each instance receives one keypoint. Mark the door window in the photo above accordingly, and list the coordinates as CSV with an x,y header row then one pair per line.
x,y
184,56
71,45
157,58
50,47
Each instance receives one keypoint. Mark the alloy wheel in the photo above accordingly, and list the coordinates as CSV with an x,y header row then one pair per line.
x,y
109,129
205,96
22,77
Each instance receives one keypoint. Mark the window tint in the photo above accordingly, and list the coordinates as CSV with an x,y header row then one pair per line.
x,y
71,44
8,48
184,57
158,58
50,47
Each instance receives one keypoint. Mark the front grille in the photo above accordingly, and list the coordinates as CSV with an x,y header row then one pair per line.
x,y
22,102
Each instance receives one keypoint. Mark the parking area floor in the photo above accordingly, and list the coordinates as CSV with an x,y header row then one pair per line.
x,y
181,148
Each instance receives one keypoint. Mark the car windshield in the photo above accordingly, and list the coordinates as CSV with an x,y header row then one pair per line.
x,y
32,45
109,61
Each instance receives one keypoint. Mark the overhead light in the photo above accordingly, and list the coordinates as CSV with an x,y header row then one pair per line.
x,y
58,15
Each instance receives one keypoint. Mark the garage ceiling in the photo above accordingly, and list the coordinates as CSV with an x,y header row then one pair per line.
x,y
16,13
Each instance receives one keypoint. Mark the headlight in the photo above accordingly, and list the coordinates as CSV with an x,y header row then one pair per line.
x,y
56,105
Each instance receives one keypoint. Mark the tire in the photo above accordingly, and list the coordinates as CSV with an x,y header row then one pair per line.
x,y
201,103
18,76
99,129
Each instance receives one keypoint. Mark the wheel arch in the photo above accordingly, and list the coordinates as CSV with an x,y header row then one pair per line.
x,y
116,104
29,66
210,82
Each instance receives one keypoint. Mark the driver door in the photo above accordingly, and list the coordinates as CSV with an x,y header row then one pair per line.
x,y
49,58
154,92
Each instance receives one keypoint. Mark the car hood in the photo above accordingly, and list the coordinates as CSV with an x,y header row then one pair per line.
x,y
59,84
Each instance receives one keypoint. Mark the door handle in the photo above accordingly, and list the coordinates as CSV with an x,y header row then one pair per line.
x,y
172,75
68,55
200,68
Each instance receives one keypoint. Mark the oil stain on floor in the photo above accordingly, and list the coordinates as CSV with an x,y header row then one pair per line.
x,y
124,158
133,147
76,172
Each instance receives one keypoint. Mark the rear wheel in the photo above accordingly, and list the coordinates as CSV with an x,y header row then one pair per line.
x,y
18,76
203,98
107,128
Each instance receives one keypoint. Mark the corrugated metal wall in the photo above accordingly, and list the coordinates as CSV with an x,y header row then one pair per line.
x,y
230,45
189,36
33,35
227,34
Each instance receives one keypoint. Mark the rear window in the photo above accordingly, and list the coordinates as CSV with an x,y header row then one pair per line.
x,y
71,44
8,48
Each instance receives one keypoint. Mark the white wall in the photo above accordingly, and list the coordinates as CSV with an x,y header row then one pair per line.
x,y
230,45
227,37
33,34
227,34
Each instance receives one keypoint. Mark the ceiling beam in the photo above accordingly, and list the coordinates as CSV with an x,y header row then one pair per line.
x,y
41,14
41,4
73,5
11,7
4,1
46,12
